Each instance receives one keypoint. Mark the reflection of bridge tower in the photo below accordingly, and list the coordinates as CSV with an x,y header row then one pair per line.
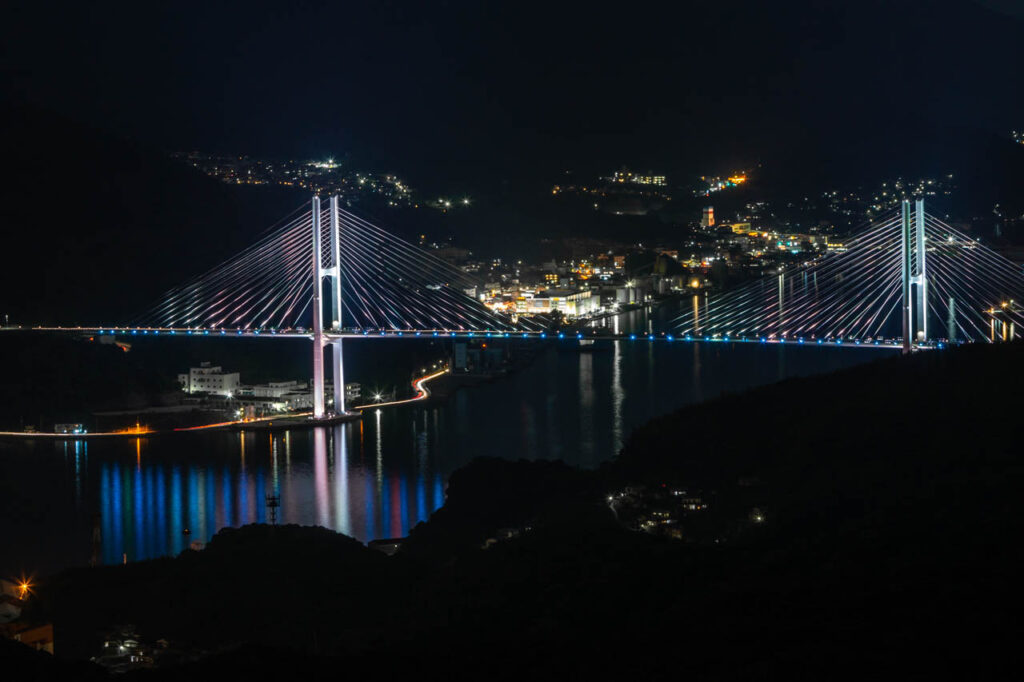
x,y
914,275
1001,324
334,272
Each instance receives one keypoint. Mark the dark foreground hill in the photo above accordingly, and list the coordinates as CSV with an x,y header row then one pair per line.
x,y
887,547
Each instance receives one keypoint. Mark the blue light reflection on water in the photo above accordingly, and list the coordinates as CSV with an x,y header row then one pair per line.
x,y
146,511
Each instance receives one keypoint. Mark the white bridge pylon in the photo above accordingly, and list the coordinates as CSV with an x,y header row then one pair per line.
x,y
913,259
332,271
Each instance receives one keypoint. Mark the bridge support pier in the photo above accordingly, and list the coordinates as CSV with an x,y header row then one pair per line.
x,y
338,376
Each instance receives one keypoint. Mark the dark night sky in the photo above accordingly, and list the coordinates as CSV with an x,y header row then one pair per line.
x,y
491,98
464,89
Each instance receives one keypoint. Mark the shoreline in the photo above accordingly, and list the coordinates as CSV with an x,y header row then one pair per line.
x,y
289,421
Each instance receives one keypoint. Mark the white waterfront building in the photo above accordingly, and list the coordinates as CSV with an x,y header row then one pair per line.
x,y
209,379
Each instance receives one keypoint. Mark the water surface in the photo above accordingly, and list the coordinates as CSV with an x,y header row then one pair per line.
x,y
105,501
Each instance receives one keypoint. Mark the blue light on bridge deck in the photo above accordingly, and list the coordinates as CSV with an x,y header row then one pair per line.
x,y
579,336
764,340
839,342
632,337
435,333
418,333
524,335
800,340
471,334
819,342
669,337
689,338
222,332
506,335
206,331
543,335
399,333
939,345
650,337
135,331
561,335
488,335
239,332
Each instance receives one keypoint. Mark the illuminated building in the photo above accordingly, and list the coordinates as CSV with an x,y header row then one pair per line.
x,y
707,216
276,389
741,228
207,379
566,301
716,184
626,176
583,270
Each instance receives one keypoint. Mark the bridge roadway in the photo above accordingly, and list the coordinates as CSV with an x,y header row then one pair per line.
x,y
595,335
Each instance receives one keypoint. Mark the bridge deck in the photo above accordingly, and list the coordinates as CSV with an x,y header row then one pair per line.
x,y
466,334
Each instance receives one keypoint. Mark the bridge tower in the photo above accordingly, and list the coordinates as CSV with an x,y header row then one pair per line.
x,y
319,342
337,364
318,323
914,274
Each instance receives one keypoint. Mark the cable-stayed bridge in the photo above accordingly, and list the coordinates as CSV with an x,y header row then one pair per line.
x,y
909,280
908,277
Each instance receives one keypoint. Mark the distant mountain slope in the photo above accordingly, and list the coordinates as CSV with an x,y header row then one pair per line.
x,y
95,227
